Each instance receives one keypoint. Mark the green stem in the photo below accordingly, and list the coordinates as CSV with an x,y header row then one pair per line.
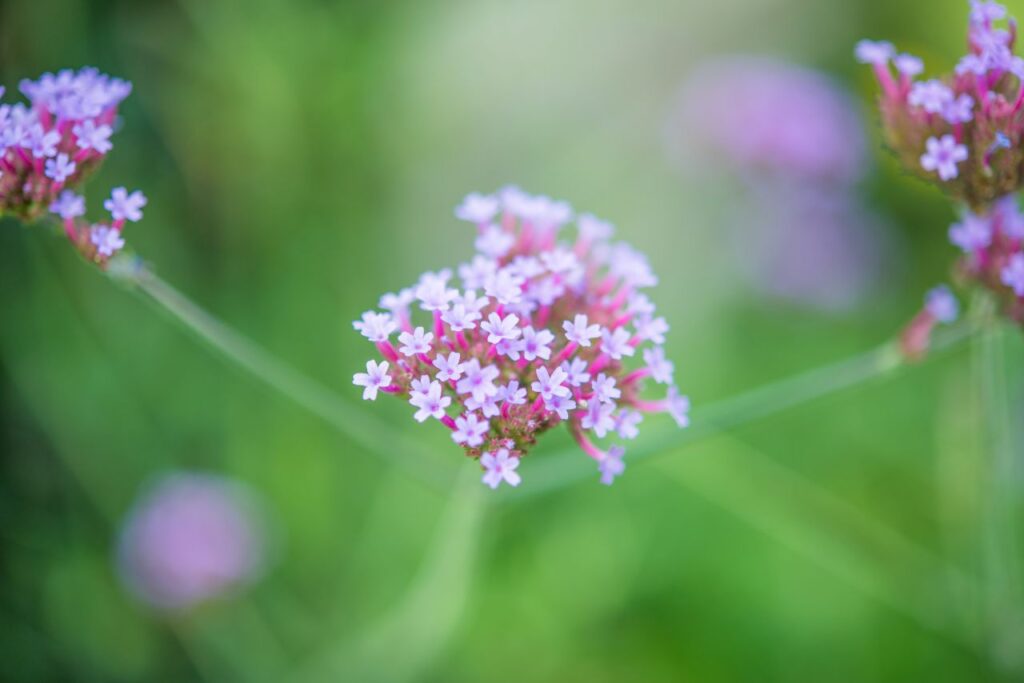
x,y
756,404
373,434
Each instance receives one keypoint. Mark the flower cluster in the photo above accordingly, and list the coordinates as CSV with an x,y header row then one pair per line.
x,y
57,141
191,538
98,242
541,332
962,130
965,132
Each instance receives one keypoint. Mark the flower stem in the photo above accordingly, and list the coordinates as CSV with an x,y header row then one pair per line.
x,y
714,418
373,434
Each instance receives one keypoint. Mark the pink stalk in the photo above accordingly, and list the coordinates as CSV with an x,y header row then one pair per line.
x,y
650,406
566,353
391,389
388,351
82,155
462,340
543,315
448,422
619,322
586,444
538,405
118,224
636,374
600,363
69,229
425,359
492,353
24,156
885,78
438,325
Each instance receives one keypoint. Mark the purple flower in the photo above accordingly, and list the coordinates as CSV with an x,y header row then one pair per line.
x,y
652,329
190,538
605,390
550,384
488,406
43,142
60,168
661,369
972,233
678,407
616,344
448,368
91,136
416,342
106,239
477,208
593,229
611,465
494,242
959,110
933,96
376,377
499,329
560,405
872,52
627,424
580,332
68,205
460,318
535,344
470,430
500,466
909,65
942,305
377,327
500,362
430,401
123,206
512,394
1012,274
598,418
478,381
576,372
985,12
505,287
942,156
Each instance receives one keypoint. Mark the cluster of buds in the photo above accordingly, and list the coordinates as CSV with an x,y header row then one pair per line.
x,y
57,141
48,149
542,332
964,131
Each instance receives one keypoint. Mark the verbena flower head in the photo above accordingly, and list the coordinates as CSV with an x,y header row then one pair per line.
x,y
540,329
98,242
57,141
965,131
191,538
961,130
761,115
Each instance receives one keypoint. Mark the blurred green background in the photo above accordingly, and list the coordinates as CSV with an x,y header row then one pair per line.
x,y
302,157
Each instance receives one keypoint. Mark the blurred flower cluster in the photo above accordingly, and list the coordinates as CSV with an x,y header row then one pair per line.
x,y
51,147
541,332
794,140
963,131
191,538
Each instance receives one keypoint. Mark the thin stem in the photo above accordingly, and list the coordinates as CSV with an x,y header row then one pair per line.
x,y
714,418
375,435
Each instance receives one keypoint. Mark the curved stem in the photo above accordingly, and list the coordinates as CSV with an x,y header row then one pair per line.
x,y
375,435
769,399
